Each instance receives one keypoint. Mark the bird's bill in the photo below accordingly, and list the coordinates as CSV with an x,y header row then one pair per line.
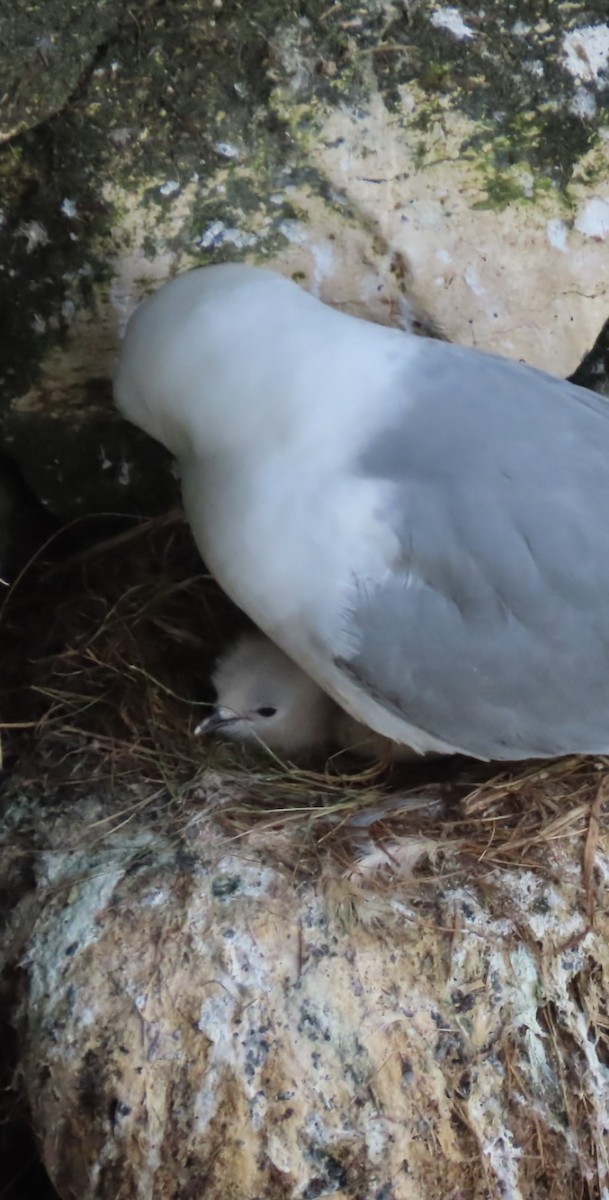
x,y
218,719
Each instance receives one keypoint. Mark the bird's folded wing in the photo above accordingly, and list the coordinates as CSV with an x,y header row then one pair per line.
x,y
490,628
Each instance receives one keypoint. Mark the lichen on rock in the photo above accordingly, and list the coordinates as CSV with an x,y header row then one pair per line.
x,y
331,140
200,1007
198,1016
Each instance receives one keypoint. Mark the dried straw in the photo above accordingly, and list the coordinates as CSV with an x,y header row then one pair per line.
x,y
113,690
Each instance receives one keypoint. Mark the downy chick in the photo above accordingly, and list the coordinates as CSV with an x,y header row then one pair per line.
x,y
265,698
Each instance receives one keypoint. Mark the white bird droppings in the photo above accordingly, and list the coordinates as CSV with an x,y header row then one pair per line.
x,y
557,233
583,104
294,231
34,233
451,20
68,208
212,235
218,235
586,52
535,68
593,220
226,150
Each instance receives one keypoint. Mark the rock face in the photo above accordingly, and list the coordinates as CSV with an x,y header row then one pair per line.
x,y
200,1018
46,51
370,150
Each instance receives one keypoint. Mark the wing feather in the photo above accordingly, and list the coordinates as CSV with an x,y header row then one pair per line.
x,y
491,628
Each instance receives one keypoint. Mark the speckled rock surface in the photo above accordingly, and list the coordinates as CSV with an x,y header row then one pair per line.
x,y
367,149
47,47
198,1018
203,1018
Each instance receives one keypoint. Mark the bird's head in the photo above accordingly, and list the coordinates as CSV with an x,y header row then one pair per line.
x,y
264,698
206,361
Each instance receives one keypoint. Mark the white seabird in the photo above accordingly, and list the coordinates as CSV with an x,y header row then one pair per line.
x,y
422,527
264,699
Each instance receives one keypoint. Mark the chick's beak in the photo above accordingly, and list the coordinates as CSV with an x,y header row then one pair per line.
x,y
218,719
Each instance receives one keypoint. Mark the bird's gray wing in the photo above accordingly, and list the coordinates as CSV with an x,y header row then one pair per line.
x,y
491,629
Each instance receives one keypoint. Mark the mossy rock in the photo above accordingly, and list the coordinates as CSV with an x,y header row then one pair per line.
x,y
152,137
47,48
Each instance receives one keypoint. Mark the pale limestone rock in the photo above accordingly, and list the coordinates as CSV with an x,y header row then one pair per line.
x,y
456,157
206,1018
197,1019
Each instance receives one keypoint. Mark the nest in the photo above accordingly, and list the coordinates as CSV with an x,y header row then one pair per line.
x,y
104,694
108,693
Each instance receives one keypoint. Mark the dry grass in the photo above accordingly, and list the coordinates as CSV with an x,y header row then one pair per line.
x,y
115,687
104,697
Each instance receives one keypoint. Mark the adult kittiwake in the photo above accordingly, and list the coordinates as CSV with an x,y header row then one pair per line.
x,y
423,528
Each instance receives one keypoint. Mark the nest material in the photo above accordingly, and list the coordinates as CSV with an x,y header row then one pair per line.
x,y
104,697
114,687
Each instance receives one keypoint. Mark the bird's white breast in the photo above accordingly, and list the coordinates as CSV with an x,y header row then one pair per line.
x,y
287,543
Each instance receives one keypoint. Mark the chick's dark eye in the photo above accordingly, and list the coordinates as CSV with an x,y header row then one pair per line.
x,y
266,711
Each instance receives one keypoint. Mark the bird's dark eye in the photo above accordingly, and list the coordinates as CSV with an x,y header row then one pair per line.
x,y
266,711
